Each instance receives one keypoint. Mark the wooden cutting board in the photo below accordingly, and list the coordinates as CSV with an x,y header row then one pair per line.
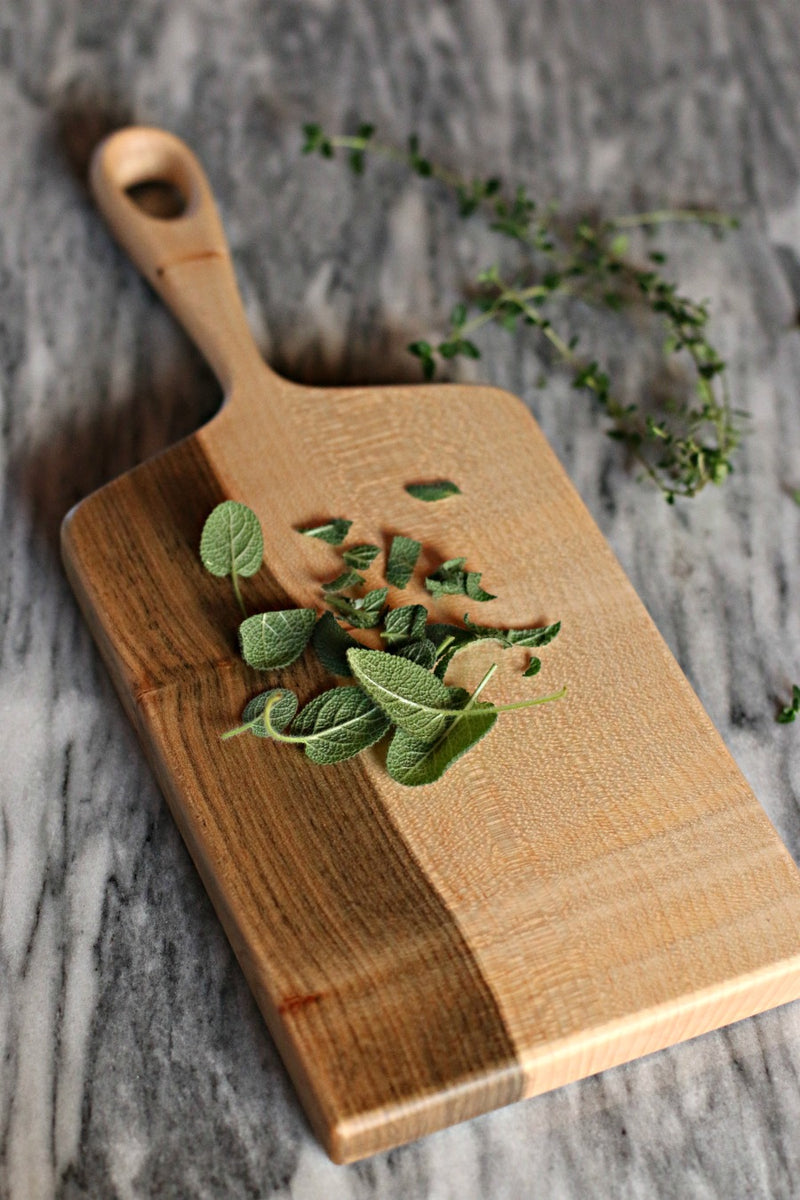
x,y
594,881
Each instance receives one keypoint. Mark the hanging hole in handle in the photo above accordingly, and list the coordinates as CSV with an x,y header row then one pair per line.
x,y
158,198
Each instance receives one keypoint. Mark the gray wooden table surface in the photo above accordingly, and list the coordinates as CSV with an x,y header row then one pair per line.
x,y
133,1062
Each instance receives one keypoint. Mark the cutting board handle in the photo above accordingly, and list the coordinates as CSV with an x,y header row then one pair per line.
x,y
183,252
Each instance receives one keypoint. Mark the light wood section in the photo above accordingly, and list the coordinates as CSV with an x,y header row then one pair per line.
x,y
594,881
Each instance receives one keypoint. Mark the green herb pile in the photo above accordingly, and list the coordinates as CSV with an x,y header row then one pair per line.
x,y
399,690
688,442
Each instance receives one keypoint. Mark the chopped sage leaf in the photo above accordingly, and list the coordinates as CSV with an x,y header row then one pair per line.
x,y
452,580
330,644
532,638
333,532
360,557
438,489
422,653
406,624
403,555
362,612
348,579
274,639
473,587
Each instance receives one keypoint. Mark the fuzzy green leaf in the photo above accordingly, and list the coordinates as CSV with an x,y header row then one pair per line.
x,y
452,580
411,696
422,653
333,532
437,489
413,762
472,586
403,555
281,713
406,624
362,612
338,724
348,579
360,557
331,643
232,542
274,639
531,638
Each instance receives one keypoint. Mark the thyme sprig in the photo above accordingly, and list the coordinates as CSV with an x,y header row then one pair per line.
x,y
690,440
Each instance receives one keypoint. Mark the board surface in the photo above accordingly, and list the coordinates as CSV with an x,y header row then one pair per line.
x,y
594,881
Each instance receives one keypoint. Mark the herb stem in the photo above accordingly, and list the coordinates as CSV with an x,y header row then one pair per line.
x,y
237,592
673,216
530,703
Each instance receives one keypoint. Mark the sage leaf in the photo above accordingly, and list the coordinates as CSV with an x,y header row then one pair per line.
x,y
281,713
405,624
452,580
331,643
232,542
533,667
362,612
472,586
411,696
360,557
338,724
422,653
448,640
333,532
532,638
348,579
413,762
403,555
275,639
437,489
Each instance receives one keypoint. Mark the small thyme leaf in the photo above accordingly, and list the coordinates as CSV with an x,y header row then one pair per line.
x,y
403,555
533,667
360,557
363,612
275,639
333,532
413,698
330,644
437,489
789,712
348,579
282,710
406,624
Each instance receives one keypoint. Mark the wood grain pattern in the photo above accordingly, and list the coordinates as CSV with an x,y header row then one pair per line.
x,y
593,882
